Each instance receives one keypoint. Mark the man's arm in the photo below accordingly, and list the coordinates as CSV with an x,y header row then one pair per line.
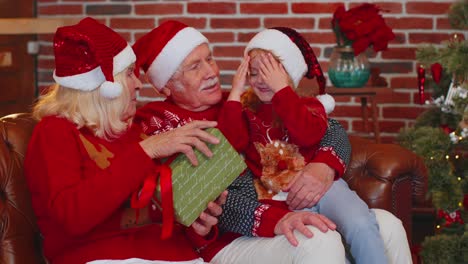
x,y
329,164
244,214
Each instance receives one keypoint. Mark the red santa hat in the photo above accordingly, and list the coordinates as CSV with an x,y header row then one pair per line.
x,y
296,55
161,51
88,55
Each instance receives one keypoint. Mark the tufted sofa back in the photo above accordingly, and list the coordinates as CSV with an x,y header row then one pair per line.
x,y
19,235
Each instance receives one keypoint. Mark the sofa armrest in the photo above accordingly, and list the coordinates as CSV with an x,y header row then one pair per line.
x,y
387,176
20,237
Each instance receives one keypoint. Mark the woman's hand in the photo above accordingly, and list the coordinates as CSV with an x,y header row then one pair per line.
x,y
209,217
273,73
298,221
239,80
309,186
181,139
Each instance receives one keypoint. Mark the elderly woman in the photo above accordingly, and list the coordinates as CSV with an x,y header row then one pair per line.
x,y
85,159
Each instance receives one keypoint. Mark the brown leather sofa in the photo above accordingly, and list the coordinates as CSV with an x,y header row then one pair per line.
x,y
386,176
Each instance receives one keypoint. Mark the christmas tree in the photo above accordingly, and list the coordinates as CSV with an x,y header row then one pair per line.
x,y
440,136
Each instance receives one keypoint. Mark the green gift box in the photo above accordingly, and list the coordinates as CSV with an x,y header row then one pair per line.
x,y
195,186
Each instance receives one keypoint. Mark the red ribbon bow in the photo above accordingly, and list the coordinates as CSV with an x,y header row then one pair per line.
x,y
142,198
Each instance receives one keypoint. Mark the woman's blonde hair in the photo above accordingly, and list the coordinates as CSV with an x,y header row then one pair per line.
x,y
103,116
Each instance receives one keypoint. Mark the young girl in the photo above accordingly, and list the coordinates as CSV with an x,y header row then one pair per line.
x,y
275,61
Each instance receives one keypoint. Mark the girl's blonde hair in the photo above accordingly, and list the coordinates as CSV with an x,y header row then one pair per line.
x,y
103,116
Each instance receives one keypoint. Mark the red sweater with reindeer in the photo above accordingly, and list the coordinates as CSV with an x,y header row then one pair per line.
x,y
157,117
80,186
301,121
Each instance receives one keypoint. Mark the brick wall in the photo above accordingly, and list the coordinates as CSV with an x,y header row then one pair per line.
x,y
230,24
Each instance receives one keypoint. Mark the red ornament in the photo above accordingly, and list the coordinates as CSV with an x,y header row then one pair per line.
x,y
436,70
447,130
421,82
450,218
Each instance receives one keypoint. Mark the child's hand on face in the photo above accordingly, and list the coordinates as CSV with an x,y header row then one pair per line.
x,y
238,82
273,73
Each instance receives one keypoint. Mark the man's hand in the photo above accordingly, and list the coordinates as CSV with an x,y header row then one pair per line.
x,y
209,217
181,139
239,80
309,185
298,221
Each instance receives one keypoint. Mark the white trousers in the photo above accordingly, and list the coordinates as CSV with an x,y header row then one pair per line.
x,y
322,248
143,261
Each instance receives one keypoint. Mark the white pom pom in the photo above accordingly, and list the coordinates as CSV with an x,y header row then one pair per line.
x,y
111,89
327,101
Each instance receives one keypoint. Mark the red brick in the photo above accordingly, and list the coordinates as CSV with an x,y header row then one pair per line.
x,y
435,38
394,66
46,50
226,79
132,23
324,65
403,82
45,37
399,53
243,23
196,22
125,34
395,98
410,23
158,9
347,111
264,8
60,9
46,1
219,37
228,65
45,77
443,23
427,8
211,8
108,9
314,8
358,126
326,37
245,37
138,35
325,23
317,51
400,38
293,22
403,112
228,51
46,63
83,0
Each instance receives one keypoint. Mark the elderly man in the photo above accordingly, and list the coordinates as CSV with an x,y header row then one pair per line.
x,y
178,63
